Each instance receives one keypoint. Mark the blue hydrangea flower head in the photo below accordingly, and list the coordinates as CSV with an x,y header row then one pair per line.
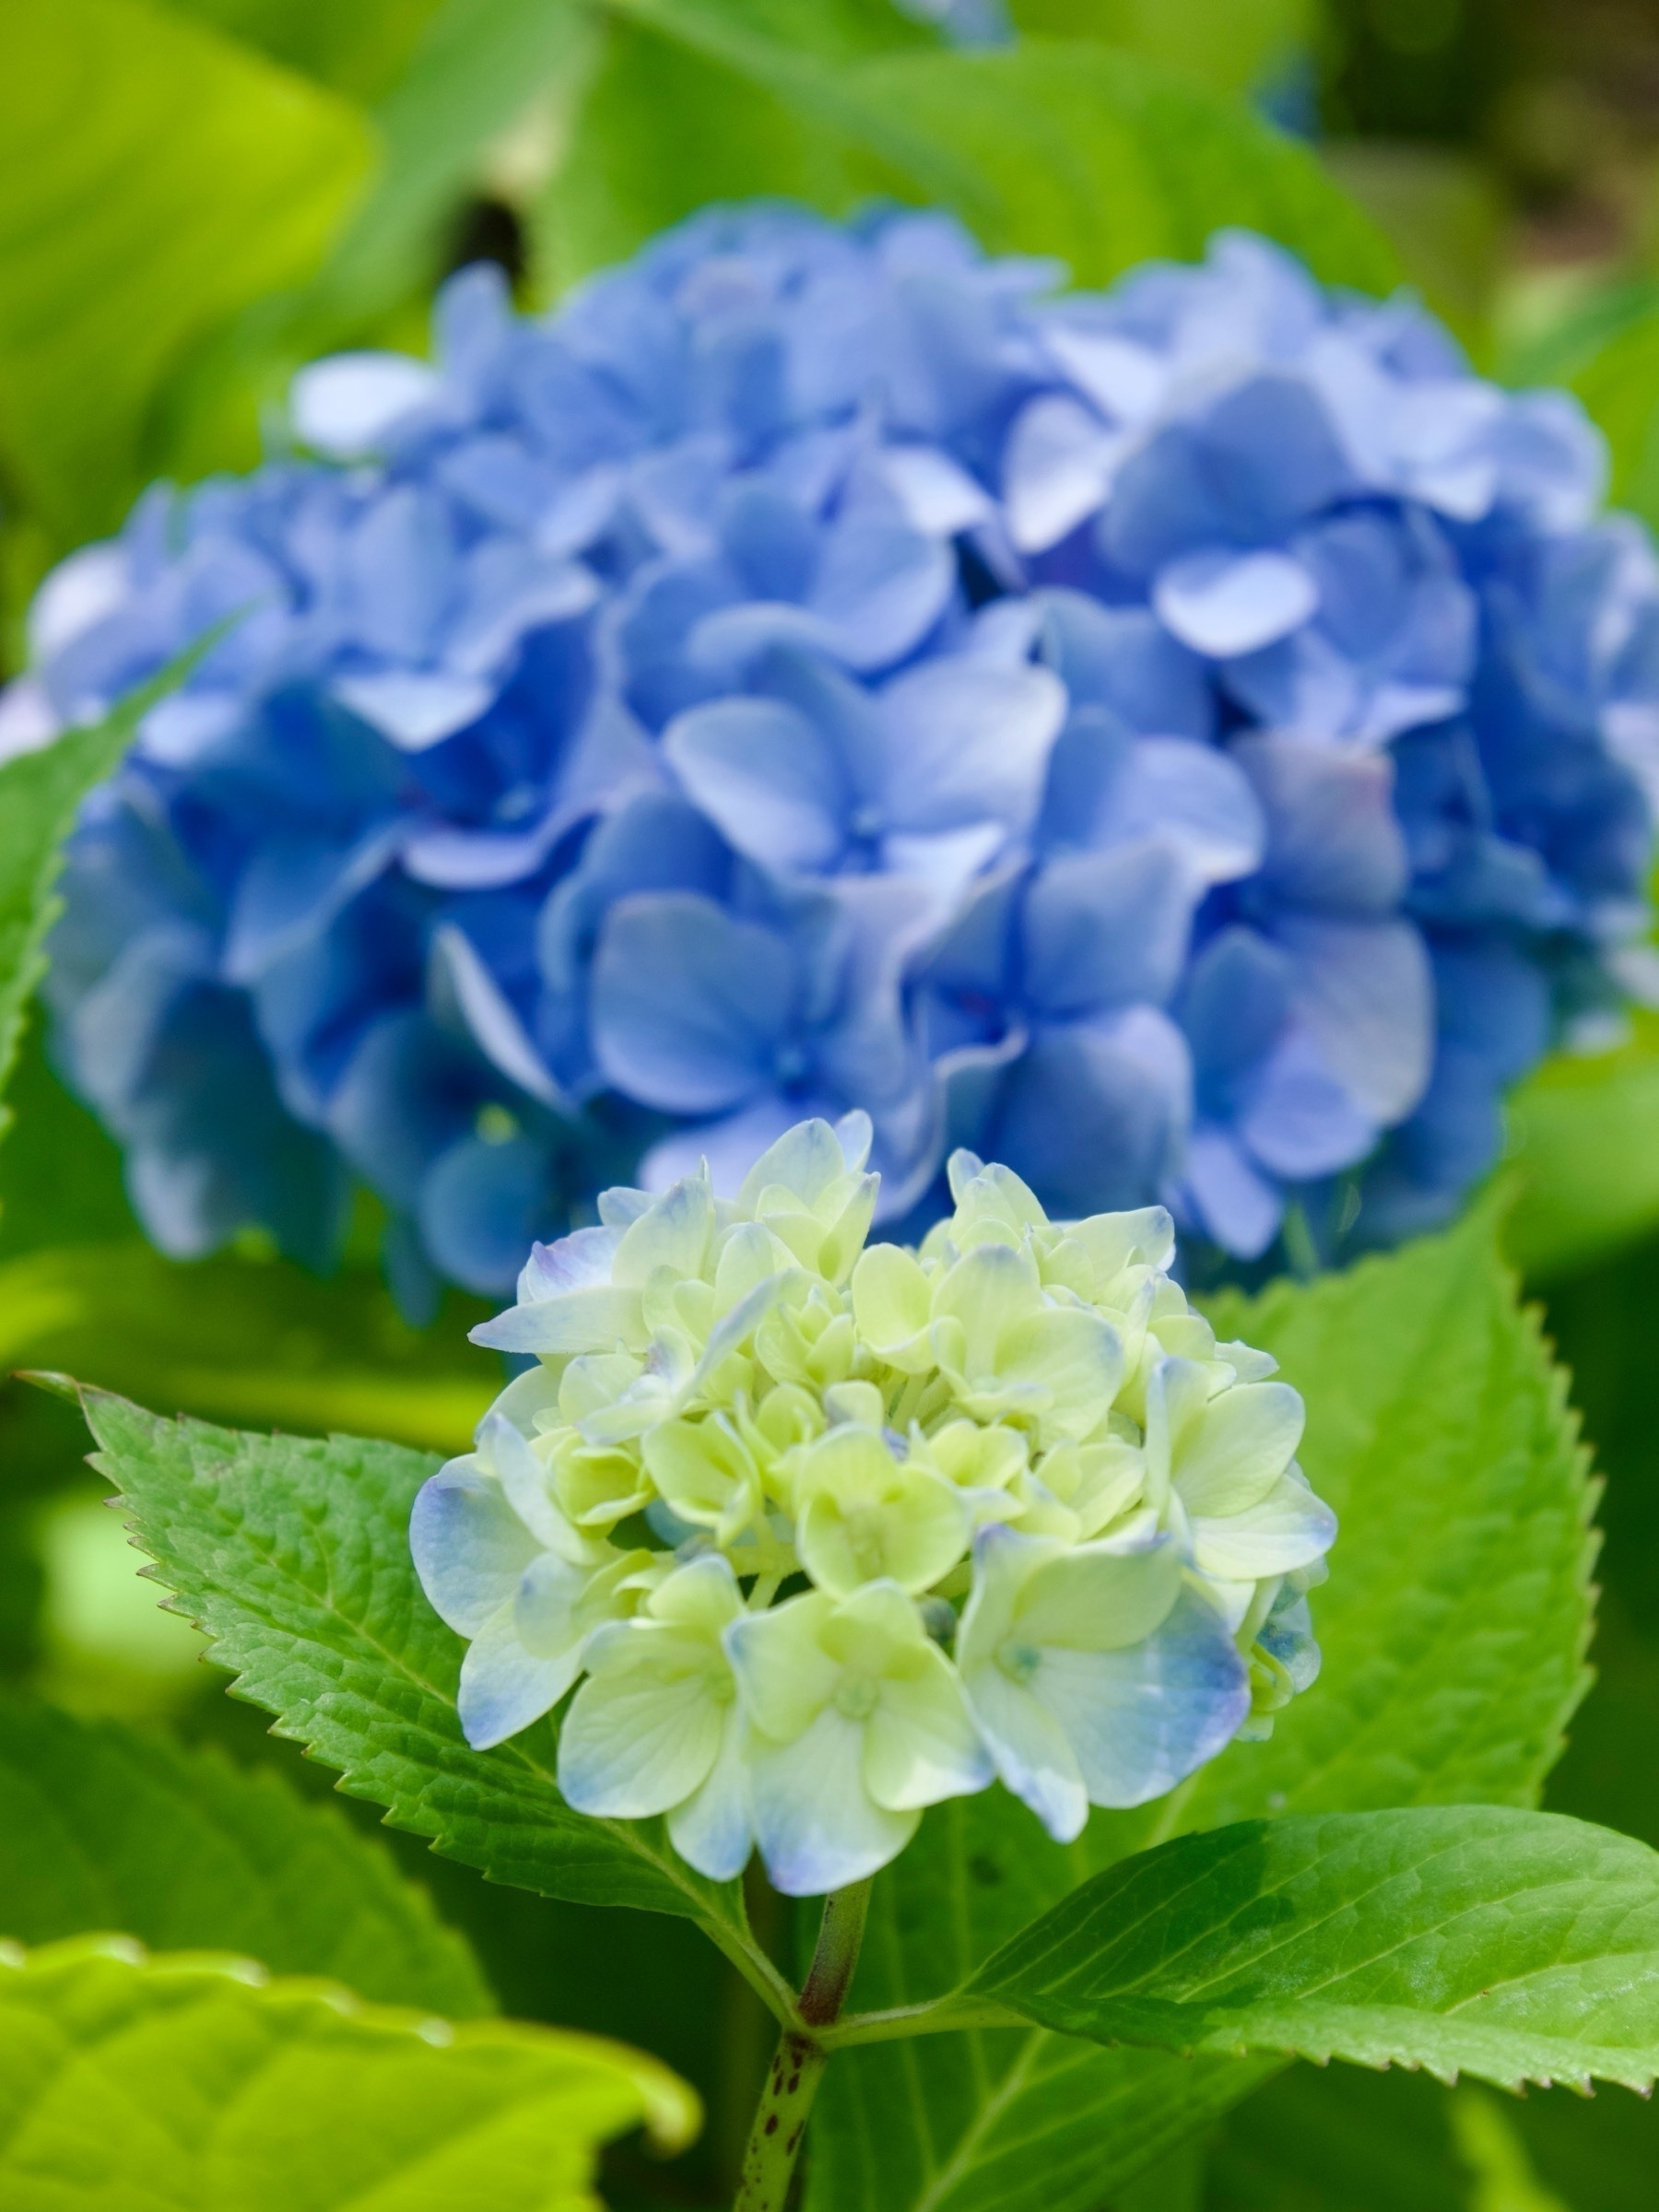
x,y
1192,742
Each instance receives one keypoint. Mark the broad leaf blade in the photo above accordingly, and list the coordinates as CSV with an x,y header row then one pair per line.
x,y
1519,1947
1453,1628
1586,1155
293,1556
178,2083
1235,47
154,178
102,1827
1048,147
1460,1606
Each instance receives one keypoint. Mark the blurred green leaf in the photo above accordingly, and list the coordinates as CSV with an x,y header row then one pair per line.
x,y
1453,1628
1619,385
359,50
246,1340
1233,46
474,69
102,1827
155,178
174,2083
1338,2139
1445,213
1047,147
1584,1152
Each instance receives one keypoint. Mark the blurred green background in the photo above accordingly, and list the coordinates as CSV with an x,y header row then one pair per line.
x,y
195,198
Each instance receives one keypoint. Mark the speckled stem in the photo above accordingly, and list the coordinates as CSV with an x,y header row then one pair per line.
x,y
798,2064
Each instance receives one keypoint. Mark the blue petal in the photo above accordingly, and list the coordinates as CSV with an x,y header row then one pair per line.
x,y
481,1206
1102,929
1093,1114
690,1006
1141,1720
1222,603
1233,1204
765,775
1365,991
1333,841
1296,1119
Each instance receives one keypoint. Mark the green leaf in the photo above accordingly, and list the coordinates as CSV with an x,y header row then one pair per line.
x,y
1477,1939
1046,148
1586,1152
1453,1628
101,1828
246,1340
1342,2139
1619,385
358,51
1459,1607
1232,46
471,73
294,1557
1339,2139
154,180
172,2084
40,795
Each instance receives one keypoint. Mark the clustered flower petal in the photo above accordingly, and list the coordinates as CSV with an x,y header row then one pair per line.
x,y
821,1534
1188,742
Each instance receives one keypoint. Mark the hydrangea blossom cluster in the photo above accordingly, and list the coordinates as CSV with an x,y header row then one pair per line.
x,y
1187,742
822,1534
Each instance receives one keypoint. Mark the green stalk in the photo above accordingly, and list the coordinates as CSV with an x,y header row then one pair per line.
x,y
798,2064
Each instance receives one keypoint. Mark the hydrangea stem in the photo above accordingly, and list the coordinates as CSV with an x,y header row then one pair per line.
x,y
797,2066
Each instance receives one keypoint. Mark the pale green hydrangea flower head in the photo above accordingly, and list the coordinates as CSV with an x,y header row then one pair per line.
x,y
819,1536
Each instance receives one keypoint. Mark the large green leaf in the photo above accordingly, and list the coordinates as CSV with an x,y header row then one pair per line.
x,y
361,50
293,1557
1049,148
1477,1939
1586,1152
102,1827
155,178
1233,46
1339,2139
173,2084
1453,1628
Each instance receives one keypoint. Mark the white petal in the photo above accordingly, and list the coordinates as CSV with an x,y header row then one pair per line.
x,y
524,1481
503,1688
921,1744
579,1321
1098,1598
1140,1720
1032,1756
713,1830
643,1733
1288,1528
817,1826
470,1547
1238,1446
784,1676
